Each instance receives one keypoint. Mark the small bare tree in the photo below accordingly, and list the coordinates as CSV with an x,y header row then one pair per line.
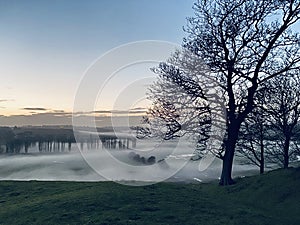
x,y
283,109
254,136
270,133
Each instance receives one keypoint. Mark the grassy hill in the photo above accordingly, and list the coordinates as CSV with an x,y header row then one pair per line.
x,y
273,198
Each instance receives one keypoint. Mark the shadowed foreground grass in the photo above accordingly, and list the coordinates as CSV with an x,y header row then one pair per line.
x,y
273,198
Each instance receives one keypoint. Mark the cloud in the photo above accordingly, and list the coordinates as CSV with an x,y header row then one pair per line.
x,y
131,111
58,111
139,108
35,109
54,114
100,111
138,112
6,100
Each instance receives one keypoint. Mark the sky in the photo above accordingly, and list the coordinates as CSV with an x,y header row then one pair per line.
x,y
47,46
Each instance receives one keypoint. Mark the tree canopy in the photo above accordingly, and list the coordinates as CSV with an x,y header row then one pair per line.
x,y
244,44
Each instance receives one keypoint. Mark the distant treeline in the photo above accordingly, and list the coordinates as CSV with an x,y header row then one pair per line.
x,y
16,140
58,139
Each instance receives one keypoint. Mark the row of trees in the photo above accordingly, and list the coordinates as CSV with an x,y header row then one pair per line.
x,y
237,73
271,132
16,141
19,140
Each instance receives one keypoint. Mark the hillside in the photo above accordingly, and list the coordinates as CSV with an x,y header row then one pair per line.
x,y
272,198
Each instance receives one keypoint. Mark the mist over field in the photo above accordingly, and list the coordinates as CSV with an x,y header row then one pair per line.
x,y
114,164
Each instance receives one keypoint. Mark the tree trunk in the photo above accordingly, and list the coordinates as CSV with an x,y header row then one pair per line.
x,y
226,178
262,158
262,167
233,131
26,147
286,152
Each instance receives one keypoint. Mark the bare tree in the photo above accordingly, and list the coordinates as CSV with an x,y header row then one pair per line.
x,y
181,104
270,133
283,109
244,46
254,137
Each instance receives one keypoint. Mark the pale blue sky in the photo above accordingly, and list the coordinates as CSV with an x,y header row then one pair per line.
x,y
45,46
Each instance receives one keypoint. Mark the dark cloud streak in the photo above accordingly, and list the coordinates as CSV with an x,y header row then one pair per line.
x,y
6,100
35,109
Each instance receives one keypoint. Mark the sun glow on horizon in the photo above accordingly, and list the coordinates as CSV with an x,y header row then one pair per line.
x,y
46,49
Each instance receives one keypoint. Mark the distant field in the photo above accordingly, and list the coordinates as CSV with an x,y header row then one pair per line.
x,y
272,198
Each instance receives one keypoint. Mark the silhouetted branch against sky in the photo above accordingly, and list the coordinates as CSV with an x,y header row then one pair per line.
x,y
244,44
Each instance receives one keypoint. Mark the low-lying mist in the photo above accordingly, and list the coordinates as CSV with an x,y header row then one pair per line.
x,y
114,164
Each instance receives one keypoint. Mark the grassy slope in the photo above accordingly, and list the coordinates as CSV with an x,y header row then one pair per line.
x,y
273,198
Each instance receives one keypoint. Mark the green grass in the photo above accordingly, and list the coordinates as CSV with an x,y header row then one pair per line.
x,y
273,198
